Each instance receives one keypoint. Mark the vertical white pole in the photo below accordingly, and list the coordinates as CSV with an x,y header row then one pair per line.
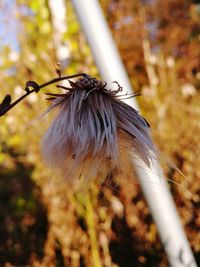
x,y
159,198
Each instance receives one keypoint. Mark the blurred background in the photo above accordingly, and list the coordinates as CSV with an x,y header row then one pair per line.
x,y
43,223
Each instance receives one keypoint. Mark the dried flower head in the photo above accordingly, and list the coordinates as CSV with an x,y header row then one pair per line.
x,y
94,132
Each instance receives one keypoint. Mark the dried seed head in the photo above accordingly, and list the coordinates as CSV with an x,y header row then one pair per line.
x,y
88,82
94,132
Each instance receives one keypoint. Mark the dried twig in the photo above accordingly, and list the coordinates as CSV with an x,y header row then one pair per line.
x,y
7,103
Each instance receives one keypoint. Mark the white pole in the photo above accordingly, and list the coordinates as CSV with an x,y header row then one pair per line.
x,y
158,197
101,42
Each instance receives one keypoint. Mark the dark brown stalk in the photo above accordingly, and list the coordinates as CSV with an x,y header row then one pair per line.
x,y
6,104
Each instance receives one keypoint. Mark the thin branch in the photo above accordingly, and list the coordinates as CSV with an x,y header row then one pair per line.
x,y
6,104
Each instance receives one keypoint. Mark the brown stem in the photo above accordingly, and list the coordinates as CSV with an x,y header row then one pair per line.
x,y
37,89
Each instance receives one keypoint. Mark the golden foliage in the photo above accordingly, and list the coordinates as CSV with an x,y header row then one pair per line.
x,y
43,223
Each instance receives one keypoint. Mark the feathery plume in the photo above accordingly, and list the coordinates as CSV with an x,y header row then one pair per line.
x,y
94,132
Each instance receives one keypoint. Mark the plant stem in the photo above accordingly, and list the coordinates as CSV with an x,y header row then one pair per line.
x,y
37,89
91,231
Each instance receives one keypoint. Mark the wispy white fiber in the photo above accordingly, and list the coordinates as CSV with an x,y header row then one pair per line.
x,y
93,130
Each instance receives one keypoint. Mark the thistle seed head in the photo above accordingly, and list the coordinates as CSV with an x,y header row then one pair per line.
x,y
94,131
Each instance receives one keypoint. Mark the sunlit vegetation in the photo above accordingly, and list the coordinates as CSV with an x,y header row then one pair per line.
x,y
43,222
